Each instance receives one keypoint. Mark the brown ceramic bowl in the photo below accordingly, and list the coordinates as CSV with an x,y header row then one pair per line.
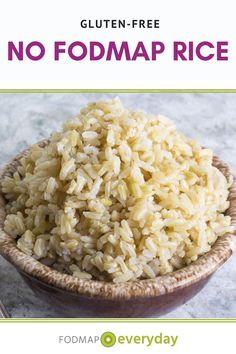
x,y
89,298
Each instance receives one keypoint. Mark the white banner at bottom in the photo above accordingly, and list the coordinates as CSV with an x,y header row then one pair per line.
x,y
116,337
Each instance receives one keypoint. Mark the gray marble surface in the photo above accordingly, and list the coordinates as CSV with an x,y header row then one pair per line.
x,y
210,118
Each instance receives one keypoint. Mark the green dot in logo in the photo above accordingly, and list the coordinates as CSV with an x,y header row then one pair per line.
x,y
108,339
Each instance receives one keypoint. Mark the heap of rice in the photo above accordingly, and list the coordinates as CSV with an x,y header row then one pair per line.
x,y
118,195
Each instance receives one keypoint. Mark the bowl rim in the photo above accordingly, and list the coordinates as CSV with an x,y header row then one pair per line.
x,y
161,285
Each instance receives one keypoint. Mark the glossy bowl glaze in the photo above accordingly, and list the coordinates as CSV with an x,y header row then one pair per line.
x,y
72,297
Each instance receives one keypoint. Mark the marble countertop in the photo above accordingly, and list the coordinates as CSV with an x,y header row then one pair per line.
x,y
210,118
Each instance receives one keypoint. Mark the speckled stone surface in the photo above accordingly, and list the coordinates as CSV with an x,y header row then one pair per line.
x,y
210,118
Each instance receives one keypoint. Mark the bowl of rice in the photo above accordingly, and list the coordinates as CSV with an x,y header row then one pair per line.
x,y
117,214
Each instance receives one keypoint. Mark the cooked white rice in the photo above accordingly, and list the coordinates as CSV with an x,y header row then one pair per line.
x,y
118,195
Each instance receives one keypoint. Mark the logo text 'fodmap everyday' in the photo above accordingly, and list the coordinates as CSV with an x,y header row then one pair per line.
x,y
109,339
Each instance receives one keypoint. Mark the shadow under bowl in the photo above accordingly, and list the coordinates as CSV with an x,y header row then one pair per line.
x,y
72,297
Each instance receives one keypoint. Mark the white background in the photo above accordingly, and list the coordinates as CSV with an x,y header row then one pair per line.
x,y
194,338
49,21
